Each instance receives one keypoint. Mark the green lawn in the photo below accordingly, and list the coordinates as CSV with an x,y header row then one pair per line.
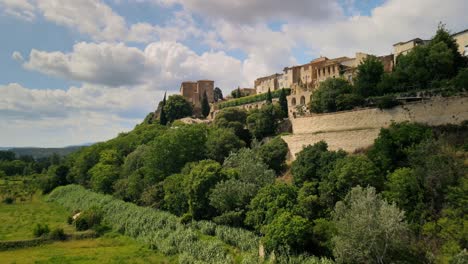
x,y
18,219
107,249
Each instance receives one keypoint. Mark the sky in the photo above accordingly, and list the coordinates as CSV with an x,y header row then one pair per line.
x,y
81,71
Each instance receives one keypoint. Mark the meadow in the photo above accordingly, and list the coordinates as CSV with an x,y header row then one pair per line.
x,y
19,218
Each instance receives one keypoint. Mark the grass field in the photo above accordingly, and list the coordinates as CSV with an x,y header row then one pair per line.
x,y
17,222
18,219
107,249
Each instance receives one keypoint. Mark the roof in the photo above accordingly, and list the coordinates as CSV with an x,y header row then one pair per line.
x,y
268,77
411,40
459,33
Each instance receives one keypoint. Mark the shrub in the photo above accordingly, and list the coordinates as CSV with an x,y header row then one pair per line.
x,y
41,230
386,102
57,234
8,200
88,219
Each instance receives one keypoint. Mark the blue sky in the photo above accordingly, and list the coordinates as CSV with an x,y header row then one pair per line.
x,y
76,71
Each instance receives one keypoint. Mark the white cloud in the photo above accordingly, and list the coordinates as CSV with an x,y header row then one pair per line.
x,y
103,63
394,21
91,17
161,66
17,56
22,9
247,12
88,113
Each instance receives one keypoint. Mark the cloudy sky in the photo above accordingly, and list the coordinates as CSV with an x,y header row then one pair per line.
x,y
79,71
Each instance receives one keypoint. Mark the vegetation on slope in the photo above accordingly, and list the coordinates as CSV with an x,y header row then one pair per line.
x,y
433,69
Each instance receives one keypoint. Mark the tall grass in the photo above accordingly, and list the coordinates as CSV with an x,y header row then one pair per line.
x,y
164,232
160,230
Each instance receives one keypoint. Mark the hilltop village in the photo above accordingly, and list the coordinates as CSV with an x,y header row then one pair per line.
x,y
303,80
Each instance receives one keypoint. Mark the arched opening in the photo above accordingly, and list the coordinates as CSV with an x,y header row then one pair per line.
x,y
302,100
293,101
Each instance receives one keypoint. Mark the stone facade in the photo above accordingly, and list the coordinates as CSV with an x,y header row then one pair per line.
x,y
357,129
193,91
269,82
462,41
404,47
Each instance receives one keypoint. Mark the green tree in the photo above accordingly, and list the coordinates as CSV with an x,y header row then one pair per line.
x,y
162,114
269,98
273,153
461,80
106,172
177,107
283,102
169,152
325,99
443,35
308,202
389,149
349,172
205,105
314,163
369,74
232,118
175,194
203,176
403,188
288,232
369,230
231,197
250,168
263,123
217,94
221,142
271,201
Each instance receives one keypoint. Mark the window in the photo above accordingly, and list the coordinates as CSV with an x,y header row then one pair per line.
x,y
293,102
302,100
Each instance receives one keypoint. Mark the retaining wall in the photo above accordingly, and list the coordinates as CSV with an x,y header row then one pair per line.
x,y
352,130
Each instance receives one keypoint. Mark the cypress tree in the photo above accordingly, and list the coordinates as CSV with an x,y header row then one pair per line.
x,y
269,98
283,102
205,105
162,114
238,94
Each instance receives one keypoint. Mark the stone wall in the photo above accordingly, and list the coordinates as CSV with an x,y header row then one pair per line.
x,y
357,129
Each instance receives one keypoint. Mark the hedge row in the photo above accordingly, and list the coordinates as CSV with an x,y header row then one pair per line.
x,y
13,244
251,99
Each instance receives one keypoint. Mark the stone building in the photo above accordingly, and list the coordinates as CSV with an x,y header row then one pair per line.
x,y
310,76
193,91
404,47
462,41
262,84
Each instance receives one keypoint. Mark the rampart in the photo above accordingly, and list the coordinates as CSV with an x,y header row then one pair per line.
x,y
357,129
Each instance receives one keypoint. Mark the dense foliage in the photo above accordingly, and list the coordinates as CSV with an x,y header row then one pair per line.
x,y
251,99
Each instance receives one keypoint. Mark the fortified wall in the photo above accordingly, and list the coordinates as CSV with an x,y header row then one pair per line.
x,y
357,129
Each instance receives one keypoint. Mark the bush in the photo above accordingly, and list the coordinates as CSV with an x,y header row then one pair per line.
x,y
8,200
273,153
386,102
57,234
41,230
88,219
